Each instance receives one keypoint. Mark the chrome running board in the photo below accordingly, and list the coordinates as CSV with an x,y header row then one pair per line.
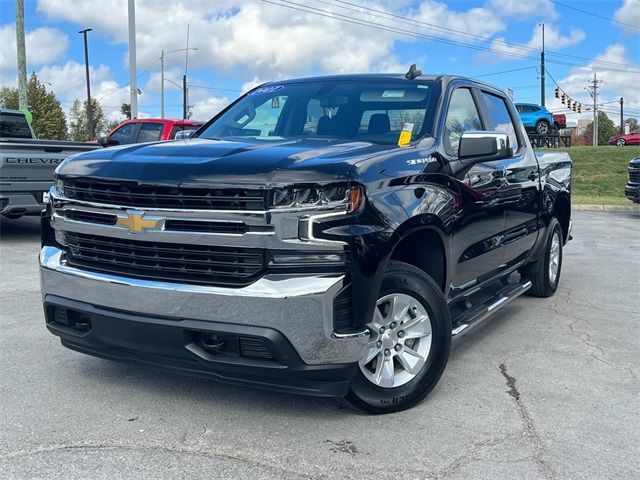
x,y
474,316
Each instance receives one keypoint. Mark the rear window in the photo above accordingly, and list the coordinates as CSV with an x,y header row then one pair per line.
x,y
14,125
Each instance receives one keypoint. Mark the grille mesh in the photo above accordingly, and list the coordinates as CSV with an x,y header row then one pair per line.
x,y
165,261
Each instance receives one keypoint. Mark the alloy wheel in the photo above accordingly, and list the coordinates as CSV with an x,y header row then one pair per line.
x,y
399,343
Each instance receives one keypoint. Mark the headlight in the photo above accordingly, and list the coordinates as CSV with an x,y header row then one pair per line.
x,y
332,195
59,184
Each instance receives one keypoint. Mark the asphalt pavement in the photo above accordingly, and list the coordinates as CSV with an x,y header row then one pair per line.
x,y
547,388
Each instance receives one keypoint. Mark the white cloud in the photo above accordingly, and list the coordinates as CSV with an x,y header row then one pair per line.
x,y
615,84
524,9
629,13
69,83
552,37
250,39
205,109
43,45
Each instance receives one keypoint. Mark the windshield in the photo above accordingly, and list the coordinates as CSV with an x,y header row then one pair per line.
x,y
364,111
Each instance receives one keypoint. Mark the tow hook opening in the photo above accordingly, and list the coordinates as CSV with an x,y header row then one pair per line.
x,y
210,342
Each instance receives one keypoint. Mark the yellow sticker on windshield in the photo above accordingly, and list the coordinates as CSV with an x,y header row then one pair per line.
x,y
405,135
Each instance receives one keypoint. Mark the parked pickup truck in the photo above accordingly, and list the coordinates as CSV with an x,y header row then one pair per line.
x,y
27,165
325,236
559,122
140,130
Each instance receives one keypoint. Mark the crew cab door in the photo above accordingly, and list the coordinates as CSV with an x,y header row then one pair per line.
x,y
519,195
477,250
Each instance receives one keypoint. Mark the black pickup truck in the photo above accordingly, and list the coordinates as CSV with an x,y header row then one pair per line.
x,y
325,236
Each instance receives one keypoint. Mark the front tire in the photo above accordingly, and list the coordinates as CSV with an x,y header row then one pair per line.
x,y
542,127
621,142
545,272
409,343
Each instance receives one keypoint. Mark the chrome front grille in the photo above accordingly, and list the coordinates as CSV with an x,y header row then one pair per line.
x,y
132,194
634,174
165,261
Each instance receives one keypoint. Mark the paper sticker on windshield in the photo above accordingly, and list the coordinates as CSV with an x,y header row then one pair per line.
x,y
267,89
405,134
392,93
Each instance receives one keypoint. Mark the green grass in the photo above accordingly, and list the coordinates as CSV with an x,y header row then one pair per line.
x,y
600,173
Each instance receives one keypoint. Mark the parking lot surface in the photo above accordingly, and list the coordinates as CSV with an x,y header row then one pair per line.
x,y
547,388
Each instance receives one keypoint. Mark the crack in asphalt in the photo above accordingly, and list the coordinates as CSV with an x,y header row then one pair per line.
x,y
597,352
529,428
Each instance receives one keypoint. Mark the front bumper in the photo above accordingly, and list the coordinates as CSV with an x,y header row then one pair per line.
x,y
632,192
297,309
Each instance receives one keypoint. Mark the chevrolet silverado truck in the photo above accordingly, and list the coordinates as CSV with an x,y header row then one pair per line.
x,y
27,165
326,236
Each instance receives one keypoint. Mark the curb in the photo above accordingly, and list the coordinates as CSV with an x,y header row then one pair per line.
x,y
605,208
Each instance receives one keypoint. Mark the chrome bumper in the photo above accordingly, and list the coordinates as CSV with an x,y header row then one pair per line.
x,y
301,308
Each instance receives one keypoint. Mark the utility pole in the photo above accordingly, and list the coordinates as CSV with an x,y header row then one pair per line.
x,y
132,59
22,56
621,116
162,84
185,99
90,131
593,91
542,69
163,53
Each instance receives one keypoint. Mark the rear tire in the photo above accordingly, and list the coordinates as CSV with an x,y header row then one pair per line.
x,y
409,344
545,272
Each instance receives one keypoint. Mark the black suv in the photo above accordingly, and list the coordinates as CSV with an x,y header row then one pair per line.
x,y
325,236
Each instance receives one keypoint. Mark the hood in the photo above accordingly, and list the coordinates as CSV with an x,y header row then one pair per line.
x,y
224,162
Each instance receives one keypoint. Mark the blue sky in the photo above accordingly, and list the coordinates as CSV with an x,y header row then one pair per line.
x,y
244,43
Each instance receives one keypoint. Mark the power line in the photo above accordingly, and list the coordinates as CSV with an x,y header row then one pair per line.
x,y
504,71
594,14
360,9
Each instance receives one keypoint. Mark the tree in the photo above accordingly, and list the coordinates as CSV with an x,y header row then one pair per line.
x,y
125,109
49,121
78,128
633,124
606,130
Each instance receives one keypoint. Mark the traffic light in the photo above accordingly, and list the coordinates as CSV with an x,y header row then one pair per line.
x,y
557,92
562,98
579,108
575,106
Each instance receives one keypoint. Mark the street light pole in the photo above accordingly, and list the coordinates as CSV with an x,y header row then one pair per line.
x,y
162,55
542,69
162,84
90,131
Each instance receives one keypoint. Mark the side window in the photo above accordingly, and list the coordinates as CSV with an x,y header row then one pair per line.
x,y
500,118
150,132
461,116
122,135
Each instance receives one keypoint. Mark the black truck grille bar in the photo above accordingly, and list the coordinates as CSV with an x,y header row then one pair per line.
x,y
132,194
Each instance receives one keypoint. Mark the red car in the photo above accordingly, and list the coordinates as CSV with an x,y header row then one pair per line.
x,y
139,130
632,138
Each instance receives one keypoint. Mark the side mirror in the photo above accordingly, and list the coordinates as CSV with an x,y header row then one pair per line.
x,y
184,134
104,141
477,147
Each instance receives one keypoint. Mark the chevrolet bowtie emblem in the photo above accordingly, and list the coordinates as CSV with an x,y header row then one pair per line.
x,y
136,223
